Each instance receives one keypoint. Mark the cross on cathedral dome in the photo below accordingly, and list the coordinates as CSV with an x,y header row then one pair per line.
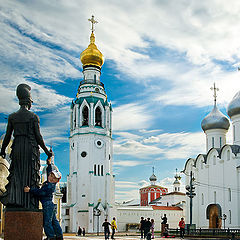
x,y
215,119
91,56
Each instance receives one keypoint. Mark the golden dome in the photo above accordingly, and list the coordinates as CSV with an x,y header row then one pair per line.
x,y
91,55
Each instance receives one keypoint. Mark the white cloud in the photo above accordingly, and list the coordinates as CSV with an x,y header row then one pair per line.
x,y
130,116
126,163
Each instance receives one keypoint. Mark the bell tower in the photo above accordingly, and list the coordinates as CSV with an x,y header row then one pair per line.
x,y
90,181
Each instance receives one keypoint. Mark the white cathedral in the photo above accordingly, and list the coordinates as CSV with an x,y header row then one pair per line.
x,y
90,182
216,173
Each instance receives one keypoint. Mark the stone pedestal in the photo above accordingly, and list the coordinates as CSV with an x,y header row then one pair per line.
x,y
23,225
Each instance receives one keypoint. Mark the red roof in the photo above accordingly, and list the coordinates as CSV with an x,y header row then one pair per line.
x,y
166,208
153,186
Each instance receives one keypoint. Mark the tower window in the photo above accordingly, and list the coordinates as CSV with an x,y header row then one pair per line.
x,y
229,195
213,142
102,170
83,154
85,116
220,142
98,170
98,117
95,170
95,78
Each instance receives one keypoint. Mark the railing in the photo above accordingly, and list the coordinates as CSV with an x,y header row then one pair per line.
x,y
89,81
231,233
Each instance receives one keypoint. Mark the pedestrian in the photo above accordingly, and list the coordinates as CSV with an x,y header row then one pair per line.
x,y
106,225
142,226
51,225
83,232
181,224
114,227
79,231
148,225
164,218
152,227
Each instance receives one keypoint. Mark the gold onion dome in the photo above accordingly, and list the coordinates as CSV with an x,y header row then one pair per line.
x,y
91,55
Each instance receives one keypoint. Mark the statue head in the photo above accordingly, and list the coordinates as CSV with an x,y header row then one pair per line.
x,y
24,95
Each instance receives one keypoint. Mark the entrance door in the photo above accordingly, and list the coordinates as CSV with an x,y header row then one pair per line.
x,y
214,215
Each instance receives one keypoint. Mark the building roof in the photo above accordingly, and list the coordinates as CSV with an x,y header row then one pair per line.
x,y
175,193
166,208
153,186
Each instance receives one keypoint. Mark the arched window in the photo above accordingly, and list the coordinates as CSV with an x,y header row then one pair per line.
x,y
202,199
98,117
229,195
101,170
95,170
212,142
85,116
220,142
214,160
228,155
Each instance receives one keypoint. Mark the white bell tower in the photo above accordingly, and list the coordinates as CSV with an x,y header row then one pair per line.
x,y
91,183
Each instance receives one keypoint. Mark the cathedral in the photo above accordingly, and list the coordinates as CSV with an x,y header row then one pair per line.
x,y
90,182
215,174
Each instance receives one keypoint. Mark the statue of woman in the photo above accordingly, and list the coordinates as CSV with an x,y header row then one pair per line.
x,y
25,155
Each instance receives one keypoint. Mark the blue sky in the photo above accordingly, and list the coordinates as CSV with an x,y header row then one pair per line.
x,y
161,58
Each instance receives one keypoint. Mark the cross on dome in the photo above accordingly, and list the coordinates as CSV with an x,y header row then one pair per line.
x,y
214,93
93,22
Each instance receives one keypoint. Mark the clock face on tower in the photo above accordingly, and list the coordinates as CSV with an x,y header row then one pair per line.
x,y
99,143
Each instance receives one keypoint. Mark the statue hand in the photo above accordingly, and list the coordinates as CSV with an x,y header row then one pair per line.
x,y
3,154
26,189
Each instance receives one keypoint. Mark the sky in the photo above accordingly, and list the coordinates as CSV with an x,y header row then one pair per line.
x,y
161,59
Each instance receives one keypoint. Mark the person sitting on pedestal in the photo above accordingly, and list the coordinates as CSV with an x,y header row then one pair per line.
x,y
51,225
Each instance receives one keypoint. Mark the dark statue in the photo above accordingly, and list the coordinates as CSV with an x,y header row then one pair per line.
x,y
25,155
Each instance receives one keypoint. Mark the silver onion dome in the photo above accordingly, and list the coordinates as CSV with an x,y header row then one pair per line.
x,y
214,120
234,105
153,178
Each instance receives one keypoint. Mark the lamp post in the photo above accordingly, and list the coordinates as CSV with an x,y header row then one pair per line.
x,y
224,219
190,193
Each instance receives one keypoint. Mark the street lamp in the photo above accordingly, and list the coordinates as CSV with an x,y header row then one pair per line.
x,y
97,213
224,219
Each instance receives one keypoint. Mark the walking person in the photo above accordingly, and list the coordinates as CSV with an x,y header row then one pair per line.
x,y
142,226
79,231
152,227
148,225
106,225
83,232
181,224
114,227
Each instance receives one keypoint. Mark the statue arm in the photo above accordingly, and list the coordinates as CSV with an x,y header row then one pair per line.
x,y
39,138
7,138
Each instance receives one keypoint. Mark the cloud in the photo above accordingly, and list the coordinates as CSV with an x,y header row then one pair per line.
x,y
130,116
127,163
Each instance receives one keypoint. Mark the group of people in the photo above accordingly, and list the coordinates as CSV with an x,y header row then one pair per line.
x,y
106,226
147,227
81,231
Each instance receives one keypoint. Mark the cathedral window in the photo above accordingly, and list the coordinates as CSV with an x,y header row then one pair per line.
x,y
85,116
228,155
229,195
234,133
98,117
230,216
98,170
214,160
220,142
213,142
95,170
101,170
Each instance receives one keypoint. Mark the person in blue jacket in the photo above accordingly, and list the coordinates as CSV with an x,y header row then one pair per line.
x,y
51,225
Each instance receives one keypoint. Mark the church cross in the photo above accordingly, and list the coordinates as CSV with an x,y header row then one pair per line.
x,y
93,22
153,169
214,93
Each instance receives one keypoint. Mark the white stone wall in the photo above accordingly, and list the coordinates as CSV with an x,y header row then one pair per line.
x,y
133,214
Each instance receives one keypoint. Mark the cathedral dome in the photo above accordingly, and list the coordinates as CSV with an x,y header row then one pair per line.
x,y
215,119
153,178
91,55
234,105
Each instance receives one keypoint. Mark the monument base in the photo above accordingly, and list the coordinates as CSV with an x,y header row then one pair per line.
x,y
23,225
